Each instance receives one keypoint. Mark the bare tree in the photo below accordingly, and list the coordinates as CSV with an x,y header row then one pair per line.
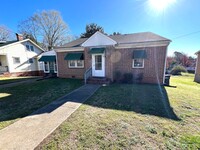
x,y
4,33
47,27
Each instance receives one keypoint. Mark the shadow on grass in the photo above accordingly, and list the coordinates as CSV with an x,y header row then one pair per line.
x,y
22,100
140,98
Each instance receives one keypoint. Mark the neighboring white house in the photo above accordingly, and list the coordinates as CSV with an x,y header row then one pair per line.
x,y
48,62
19,57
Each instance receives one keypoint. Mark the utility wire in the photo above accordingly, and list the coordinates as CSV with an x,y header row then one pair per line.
x,y
185,35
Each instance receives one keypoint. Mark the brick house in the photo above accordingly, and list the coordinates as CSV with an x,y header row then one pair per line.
x,y
197,71
111,57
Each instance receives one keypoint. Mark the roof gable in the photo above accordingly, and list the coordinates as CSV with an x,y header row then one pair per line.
x,y
98,39
11,43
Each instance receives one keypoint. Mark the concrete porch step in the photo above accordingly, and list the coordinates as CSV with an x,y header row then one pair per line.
x,y
98,80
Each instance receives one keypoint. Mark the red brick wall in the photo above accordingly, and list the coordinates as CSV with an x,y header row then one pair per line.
x,y
153,65
64,71
28,73
197,73
120,60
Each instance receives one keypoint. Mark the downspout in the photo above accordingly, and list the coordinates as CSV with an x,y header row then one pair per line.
x,y
165,64
57,64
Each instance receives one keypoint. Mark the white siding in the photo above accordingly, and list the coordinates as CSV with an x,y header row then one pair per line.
x,y
19,50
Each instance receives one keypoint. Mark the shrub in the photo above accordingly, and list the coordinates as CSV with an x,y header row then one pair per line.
x,y
138,77
177,70
117,76
128,78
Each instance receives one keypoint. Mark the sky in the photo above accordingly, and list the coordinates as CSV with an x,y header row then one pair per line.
x,y
178,20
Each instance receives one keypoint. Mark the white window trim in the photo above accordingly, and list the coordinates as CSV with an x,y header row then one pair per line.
x,y
75,64
55,67
138,67
17,62
29,61
28,49
31,49
44,67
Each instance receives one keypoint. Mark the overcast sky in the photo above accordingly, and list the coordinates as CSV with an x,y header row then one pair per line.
x,y
178,20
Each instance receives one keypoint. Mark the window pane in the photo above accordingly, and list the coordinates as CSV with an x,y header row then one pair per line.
x,y
32,48
27,47
138,63
98,62
16,60
72,63
30,60
80,63
46,68
55,66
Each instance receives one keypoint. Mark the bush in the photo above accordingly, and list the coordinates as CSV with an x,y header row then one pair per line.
x,y
128,78
117,76
138,77
177,70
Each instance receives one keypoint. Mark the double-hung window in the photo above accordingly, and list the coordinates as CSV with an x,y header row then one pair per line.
x,y
138,63
76,63
16,60
138,58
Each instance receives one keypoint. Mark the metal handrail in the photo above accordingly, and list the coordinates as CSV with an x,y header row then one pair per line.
x,y
87,74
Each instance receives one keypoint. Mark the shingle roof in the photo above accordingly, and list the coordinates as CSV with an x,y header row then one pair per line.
x,y
138,37
75,43
123,39
7,43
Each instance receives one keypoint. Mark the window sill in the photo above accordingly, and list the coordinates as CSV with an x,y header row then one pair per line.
x,y
137,67
76,67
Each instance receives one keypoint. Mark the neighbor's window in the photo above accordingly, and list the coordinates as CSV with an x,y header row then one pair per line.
x,y
46,67
16,60
27,47
76,63
32,48
55,67
138,63
30,60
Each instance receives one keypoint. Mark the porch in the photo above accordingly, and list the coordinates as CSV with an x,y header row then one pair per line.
x,y
3,64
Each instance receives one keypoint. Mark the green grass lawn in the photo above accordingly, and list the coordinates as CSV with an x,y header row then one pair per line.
x,y
134,117
7,80
19,101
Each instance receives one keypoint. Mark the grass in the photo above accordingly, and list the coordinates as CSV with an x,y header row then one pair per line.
x,y
19,101
134,117
7,80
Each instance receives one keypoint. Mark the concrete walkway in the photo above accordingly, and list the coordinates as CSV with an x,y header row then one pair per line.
x,y
29,132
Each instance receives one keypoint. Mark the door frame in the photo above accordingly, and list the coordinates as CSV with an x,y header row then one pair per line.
x,y
98,73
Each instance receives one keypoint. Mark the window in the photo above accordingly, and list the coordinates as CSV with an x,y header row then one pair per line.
x,y
30,60
76,63
16,60
55,67
138,63
27,47
32,48
80,63
46,67
98,62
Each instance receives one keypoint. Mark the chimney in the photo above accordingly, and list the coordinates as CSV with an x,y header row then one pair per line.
x,y
19,37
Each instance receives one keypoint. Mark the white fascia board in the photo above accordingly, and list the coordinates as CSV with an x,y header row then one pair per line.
x,y
143,44
22,42
76,49
98,39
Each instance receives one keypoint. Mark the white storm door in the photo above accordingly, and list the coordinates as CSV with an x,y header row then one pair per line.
x,y
98,65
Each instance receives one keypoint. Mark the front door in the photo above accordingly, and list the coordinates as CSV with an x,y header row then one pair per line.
x,y
98,65
51,66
